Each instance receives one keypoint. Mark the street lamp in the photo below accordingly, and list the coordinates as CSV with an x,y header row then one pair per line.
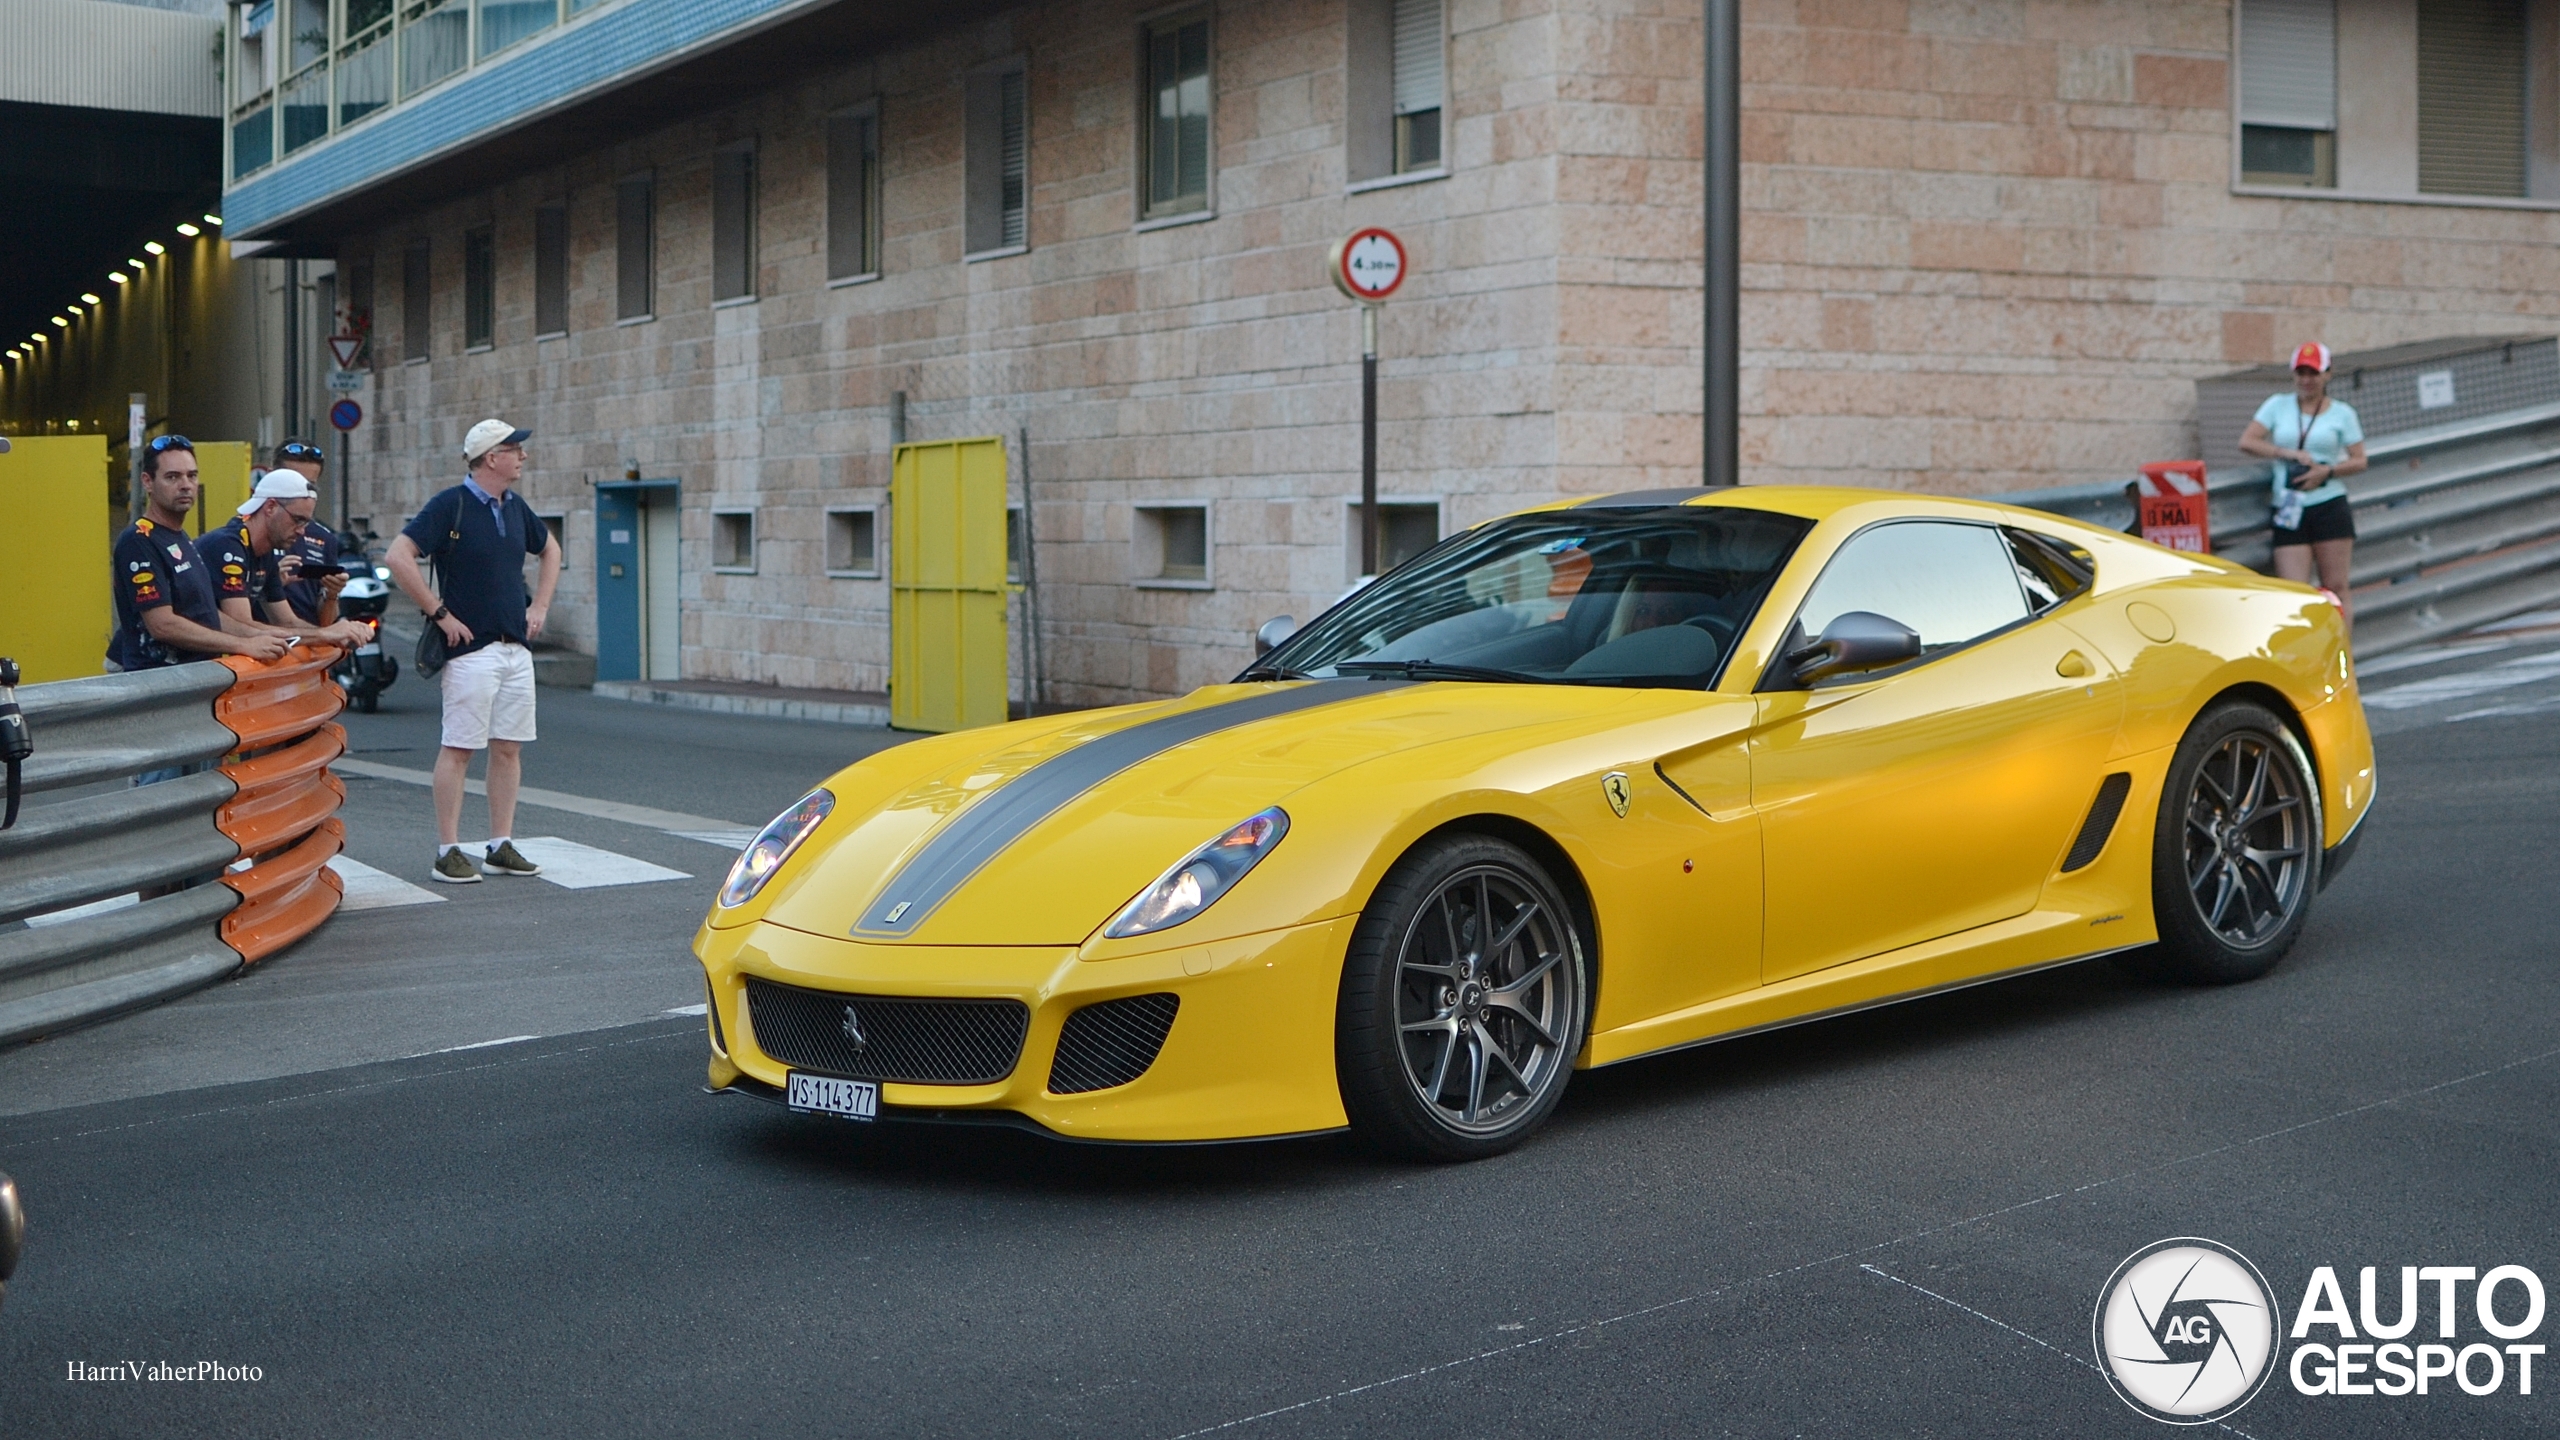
x,y
154,247
188,230
117,276
91,298
213,220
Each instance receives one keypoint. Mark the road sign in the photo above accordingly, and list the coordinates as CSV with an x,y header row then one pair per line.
x,y
1368,265
345,382
346,414
346,348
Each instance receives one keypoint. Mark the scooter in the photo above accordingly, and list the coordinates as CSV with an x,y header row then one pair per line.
x,y
369,671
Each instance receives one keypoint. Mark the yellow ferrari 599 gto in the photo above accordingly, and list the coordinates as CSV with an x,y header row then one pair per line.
x,y
1585,783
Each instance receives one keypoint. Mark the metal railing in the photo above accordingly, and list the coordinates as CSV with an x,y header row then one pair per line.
x,y
2457,526
117,895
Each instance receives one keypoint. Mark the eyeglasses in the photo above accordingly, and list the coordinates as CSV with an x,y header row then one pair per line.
x,y
297,450
162,444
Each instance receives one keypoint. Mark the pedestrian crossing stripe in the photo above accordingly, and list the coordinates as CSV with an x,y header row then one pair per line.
x,y
573,866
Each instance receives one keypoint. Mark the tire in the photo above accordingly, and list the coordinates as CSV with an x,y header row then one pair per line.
x,y
2231,898
368,702
1443,1051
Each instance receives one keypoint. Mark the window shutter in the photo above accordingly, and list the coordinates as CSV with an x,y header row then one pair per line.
x,y
2289,63
1418,64
1012,162
2471,97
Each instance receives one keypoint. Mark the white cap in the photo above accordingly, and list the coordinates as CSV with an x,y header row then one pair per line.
x,y
488,435
276,485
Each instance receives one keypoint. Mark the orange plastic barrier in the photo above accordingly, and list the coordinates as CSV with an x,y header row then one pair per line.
x,y
284,814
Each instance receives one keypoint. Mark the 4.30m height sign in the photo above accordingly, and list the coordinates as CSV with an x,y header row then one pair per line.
x,y
1368,265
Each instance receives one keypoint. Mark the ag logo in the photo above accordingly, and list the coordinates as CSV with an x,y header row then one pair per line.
x,y
2185,1331
1614,785
853,1030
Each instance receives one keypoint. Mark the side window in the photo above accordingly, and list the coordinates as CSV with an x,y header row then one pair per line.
x,y
2049,570
1948,581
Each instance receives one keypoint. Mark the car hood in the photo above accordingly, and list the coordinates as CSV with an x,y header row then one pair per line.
x,y
1038,833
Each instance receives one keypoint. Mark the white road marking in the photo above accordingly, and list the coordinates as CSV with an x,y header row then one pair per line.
x,y
573,866
371,889
688,1009
2524,670
483,1044
83,912
674,822
725,839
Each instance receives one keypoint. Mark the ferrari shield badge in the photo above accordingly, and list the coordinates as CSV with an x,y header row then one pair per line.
x,y
1614,785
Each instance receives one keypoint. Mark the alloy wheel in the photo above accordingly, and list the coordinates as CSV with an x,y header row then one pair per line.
x,y
2248,845
1486,990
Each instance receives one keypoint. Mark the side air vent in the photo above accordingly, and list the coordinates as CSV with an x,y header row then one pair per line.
x,y
1111,1043
2101,822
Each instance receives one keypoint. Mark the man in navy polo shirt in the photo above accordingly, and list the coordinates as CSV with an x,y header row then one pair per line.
x,y
166,610
479,533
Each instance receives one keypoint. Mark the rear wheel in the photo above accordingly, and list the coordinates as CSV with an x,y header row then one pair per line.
x,y
1463,1002
2236,858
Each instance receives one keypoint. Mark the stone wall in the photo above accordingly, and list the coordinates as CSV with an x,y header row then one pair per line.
x,y
1545,343
1990,244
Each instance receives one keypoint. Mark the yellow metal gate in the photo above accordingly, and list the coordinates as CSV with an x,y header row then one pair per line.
x,y
56,606
222,483
947,585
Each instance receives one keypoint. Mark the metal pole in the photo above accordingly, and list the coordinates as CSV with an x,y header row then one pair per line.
x,y
1030,585
1724,241
1368,439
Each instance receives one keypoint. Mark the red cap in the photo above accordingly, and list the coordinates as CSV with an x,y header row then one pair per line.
x,y
2312,356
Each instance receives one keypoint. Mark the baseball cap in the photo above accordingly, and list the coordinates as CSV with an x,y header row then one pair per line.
x,y
488,435
276,485
2312,356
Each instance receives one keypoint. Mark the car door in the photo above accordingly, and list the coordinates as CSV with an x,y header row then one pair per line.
x,y
1938,795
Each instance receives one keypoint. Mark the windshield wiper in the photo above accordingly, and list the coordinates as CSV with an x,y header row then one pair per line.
x,y
1273,672
1435,670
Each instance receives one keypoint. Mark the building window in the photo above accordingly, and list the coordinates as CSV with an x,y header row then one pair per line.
x,y
253,81
2471,97
558,525
1397,76
364,59
551,270
733,541
1177,125
305,106
2289,92
1171,546
733,222
504,22
635,203
1406,528
435,41
417,310
479,288
998,145
853,543
853,193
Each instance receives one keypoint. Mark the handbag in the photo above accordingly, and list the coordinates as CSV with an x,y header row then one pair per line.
x,y
431,649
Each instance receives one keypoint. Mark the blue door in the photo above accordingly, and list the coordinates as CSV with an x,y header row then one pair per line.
x,y
618,582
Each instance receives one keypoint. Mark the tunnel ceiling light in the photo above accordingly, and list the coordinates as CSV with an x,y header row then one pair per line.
x,y
118,276
188,230
214,220
60,323
75,310
154,247
91,297
135,265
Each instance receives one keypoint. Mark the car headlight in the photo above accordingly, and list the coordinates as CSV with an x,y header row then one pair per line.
x,y
773,845
1203,876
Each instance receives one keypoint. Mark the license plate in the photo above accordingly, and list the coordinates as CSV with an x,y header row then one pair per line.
x,y
369,648
826,1095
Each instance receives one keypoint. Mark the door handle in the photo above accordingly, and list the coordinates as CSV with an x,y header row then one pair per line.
x,y
2074,666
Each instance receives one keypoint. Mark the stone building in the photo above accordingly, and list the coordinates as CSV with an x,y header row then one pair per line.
x,y
1988,244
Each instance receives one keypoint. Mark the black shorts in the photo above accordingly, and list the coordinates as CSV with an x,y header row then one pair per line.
x,y
2328,520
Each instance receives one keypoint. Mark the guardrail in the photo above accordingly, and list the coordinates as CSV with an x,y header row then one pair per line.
x,y
132,894
2457,526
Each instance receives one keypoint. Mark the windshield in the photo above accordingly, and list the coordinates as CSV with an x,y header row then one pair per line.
x,y
1587,596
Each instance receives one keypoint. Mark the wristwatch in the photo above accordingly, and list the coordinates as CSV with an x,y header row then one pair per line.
x,y
441,612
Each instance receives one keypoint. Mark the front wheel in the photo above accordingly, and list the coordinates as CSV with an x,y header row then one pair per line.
x,y
1463,1002
2237,856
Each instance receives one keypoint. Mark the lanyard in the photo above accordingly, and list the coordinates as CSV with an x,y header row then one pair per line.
x,y
2308,418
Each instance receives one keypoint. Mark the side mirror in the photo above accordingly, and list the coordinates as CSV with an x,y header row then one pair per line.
x,y
1855,641
13,1231
1273,631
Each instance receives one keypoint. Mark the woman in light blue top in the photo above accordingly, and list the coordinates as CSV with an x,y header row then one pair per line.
x,y
2315,442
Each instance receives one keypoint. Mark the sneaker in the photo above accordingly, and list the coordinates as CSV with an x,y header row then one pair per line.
x,y
455,868
507,860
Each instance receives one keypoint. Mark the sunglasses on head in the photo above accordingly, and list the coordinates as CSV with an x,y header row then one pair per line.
x,y
162,444
297,450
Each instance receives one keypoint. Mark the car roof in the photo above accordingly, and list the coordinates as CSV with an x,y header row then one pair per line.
x,y
1809,502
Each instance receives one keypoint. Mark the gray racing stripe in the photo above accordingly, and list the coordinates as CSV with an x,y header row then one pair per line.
x,y
983,830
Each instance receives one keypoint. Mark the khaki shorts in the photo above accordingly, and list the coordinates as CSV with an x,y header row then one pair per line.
x,y
488,695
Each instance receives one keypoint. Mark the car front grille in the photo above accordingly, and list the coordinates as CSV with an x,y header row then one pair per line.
x,y
887,1037
1111,1043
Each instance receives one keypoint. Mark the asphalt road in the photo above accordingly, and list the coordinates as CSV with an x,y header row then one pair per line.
x,y
1892,1224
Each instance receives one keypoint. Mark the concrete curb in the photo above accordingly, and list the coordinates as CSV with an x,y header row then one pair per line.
x,y
821,712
